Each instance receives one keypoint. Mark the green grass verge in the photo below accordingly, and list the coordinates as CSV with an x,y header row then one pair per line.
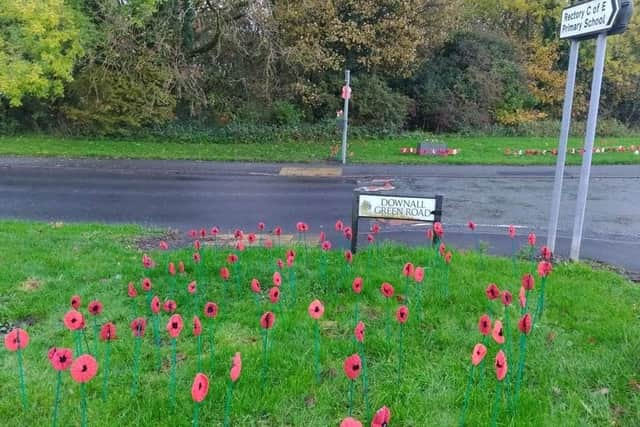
x,y
473,150
582,360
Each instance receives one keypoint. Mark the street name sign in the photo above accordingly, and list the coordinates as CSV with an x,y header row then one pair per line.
x,y
588,18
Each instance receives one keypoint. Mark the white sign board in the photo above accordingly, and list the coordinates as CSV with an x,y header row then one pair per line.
x,y
591,17
397,207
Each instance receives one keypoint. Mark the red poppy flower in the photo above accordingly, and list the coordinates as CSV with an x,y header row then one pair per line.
x,y
193,234
95,308
442,249
181,267
512,231
255,286
215,231
348,256
546,253
492,291
402,314
16,339
280,264
544,268
277,278
479,351
316,309
252,238
322,237
299,227
61,359
430,234
175,325
211,309
507,298
203,233
138,326
75,301
155,305
197,326
147,262
268,243
532,239
267,320
238,234
146,284
348,233
108,332
484,325
172,269
375,228
408,270
528,282
232,258
196,257
261,226
350,422
192,287
274,294
196,245
339,225
326,245
447,257
164,246
387,290
236,367
83,368
382,418
501,365
200,387
438,229
224,273
522,297
73,320
524,324
290,260
370,238
51,353
277,231
471,225
170,306
352,366
357,285
131,291
359,331
498,333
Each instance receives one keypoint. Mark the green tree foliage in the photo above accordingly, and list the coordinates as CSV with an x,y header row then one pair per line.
x,y
376,105
39,44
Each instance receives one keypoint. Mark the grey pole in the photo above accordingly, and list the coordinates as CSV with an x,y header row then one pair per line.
x,y
347,80
562,148
592,121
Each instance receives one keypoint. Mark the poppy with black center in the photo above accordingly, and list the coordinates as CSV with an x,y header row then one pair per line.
x,y
131,291
175,325
74,320
267,320
16,339
200,387
84,368
108,332
387,290
492,291
352,366
95,307
528,282
498,334
316,309
146,284
507,298
138,326
524,324
381,418
359,331
501,365
274,294
61,359
169,306
211,309
197,326
155,304
357,285
75,302
402,314
484,324
479,351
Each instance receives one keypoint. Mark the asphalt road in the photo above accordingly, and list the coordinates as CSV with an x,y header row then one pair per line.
x,y
184,195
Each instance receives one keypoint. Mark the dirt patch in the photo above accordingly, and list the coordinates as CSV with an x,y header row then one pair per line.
x,y
31,285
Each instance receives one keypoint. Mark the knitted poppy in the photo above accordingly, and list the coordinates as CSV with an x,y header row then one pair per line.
x,y
193,233
447,257
501,366
203,233
169,306
418,274
192,287
268,243
387,290
512,231
375,228
16,339
131,290
73,320
352,366
402,314
211,309
544,268
196,245
61,359
442,249
108,332
75,301
83,368
163,245
215,231
277,278
359,331
267,320
261,226
438,229
290,261
274,294
255,286
546,253
348,256
381,418
236,367
175,325
498,333
291,253
280,264
471,225
147,262
370,238
239,246
492,291
339,225
348,233
357,285
479,351
429,234
197,326
350,422
326,245
155,304
172,269
532,239
277,231
238,234
522,297
196,257
138,326
200,387
146,284
232,258
524,324
507,298
528,282
95,308
408,270
316,309
252,238
181,267
484,325
224,273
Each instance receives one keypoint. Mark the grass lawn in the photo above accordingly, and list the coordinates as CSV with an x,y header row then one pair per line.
x,y
473,150
582,364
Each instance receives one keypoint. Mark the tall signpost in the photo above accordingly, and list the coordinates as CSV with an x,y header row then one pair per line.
x,y
346,95
588,19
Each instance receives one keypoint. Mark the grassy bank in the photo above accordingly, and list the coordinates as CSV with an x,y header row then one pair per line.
x,y
581,366
473,150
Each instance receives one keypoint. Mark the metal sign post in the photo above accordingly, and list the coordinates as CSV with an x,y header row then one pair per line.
x,y
346,95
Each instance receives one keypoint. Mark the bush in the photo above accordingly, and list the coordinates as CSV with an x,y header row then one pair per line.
x,y
376,106
285,113
551,128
